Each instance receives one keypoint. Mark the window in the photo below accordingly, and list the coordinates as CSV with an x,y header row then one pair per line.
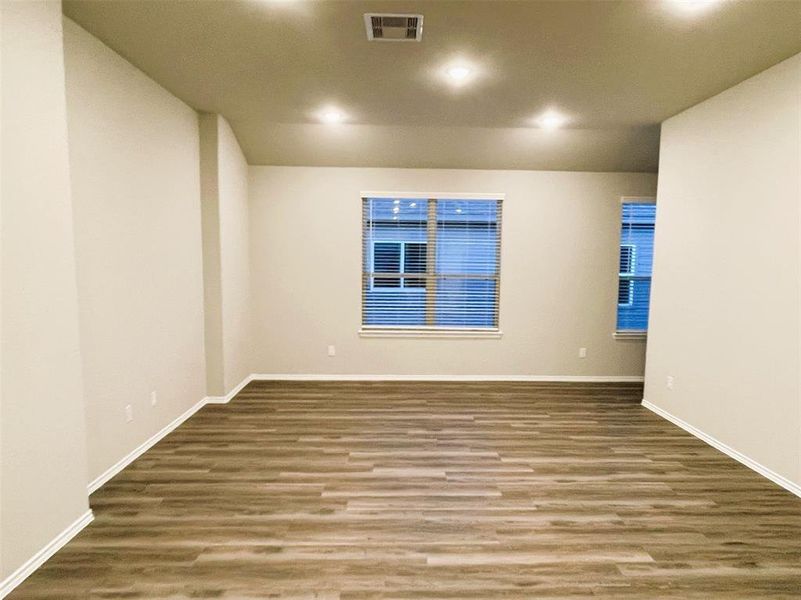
x,y
431,263
389,257
625,288
415,257
386,259
636,259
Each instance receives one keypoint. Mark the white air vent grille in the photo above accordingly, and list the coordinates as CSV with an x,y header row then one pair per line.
x,y
393,27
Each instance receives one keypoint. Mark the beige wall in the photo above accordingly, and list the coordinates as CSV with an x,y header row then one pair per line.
x,y
725,297
226,266
212,283
43,469
235,258
134,152
558,274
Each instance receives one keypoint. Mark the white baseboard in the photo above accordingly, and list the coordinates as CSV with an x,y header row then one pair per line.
x,y
543,378
38,559
18,576
126,460
726,449
230,395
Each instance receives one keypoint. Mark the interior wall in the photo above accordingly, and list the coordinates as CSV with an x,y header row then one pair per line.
x,y
212,284
134,152
725,297
226,265
234,258
559,263
43,466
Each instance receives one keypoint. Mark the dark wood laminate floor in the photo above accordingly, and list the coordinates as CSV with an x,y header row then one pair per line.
x,y
352,491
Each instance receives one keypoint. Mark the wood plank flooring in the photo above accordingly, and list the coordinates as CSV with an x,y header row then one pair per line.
x,y
356,491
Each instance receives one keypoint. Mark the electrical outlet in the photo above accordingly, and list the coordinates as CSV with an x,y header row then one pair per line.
x,y
128,413
582,353
669,382
332,350
154,399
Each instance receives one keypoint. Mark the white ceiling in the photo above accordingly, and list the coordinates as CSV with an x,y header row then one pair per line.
x,y
617,69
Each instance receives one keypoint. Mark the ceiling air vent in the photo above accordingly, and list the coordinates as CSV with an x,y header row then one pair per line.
x,y
393,27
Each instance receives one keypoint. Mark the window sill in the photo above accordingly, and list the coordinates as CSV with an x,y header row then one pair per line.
x,y
636,336
431,333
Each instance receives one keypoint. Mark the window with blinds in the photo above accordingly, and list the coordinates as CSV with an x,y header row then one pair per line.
x,y
636,259
431,263
625,288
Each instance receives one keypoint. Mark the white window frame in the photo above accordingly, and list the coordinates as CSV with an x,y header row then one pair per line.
x,y
626,334
368,331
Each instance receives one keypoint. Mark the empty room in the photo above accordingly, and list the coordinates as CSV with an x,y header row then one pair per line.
x,y
400,299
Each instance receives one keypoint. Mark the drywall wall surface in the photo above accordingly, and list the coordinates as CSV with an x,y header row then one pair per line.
x,y
559,262
134,153
725,297
43,468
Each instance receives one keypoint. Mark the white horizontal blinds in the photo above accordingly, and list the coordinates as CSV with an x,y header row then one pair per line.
x,y
635,263
431,263
626,268
395,247
467,273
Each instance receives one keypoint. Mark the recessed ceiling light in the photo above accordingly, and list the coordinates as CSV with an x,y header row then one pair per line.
x,y
694,6
331,116
551,120
459,73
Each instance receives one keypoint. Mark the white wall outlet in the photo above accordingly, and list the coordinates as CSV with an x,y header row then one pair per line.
x,y
128,413
669,382
582,353
332,350
154,399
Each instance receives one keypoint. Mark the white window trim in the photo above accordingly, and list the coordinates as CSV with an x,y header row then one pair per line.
x,y
637,200
399,331
632,334
418,331
433,195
